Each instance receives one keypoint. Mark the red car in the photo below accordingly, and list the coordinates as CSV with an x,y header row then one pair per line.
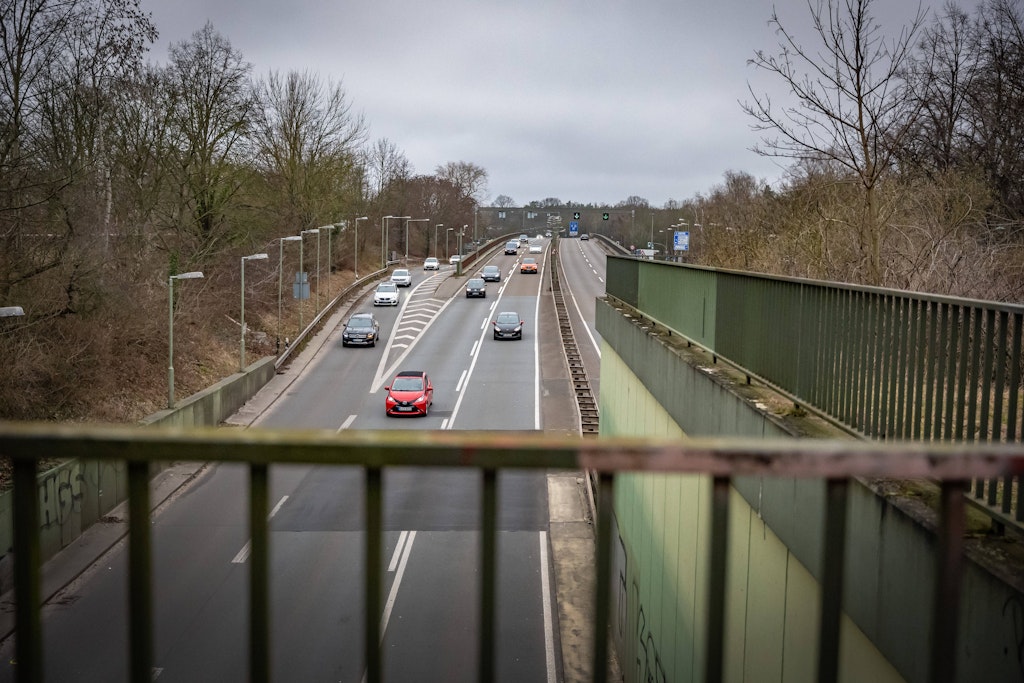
x,y
411,393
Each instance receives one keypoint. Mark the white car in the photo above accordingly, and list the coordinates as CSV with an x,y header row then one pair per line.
x,y
455,258
401,277
431,263
386,294
536,249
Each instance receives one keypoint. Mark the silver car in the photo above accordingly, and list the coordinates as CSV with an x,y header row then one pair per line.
x,y
386,294
402,277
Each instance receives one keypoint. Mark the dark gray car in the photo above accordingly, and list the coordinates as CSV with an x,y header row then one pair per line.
x,y
362,329
491,274
508,325
476,287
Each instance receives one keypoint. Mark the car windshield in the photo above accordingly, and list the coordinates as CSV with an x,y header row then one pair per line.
x,y
508,318
361,321
386,288
476,282
529,260
407,384
401,273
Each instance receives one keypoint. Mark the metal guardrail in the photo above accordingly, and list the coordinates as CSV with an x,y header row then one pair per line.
x,y
883,363
835,462
327,310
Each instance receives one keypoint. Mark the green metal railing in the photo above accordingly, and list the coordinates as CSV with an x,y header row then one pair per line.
x,y
834,462
886,364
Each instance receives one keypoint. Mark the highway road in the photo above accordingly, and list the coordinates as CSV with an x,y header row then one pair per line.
x,y
431,517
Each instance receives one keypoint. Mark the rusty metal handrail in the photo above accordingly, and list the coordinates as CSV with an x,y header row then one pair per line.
x,y
834,461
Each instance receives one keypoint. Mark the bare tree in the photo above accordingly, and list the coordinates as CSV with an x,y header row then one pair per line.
x,y
212,117
468,178
941,78
504,201
997,101
306,140
851,108
386,165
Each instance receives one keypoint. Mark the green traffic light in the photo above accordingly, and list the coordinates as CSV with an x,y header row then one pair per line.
x,y
604,216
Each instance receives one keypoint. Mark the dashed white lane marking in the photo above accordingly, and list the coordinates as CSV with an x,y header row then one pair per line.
x,y
243,554
398,551
347,423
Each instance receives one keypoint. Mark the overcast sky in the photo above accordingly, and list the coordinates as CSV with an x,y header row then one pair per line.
x,y
586,101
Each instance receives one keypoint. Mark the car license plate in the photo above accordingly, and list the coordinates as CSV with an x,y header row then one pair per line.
x,y
407,409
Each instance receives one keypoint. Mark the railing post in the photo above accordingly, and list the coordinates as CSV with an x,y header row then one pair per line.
x,y
488,563
371,625
719,543
27,581
259,603
833,547
605,501
949,573
140,590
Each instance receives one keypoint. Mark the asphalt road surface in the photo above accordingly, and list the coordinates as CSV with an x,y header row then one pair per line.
x,y
431,519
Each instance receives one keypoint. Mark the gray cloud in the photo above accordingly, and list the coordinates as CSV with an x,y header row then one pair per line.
x,y
584,101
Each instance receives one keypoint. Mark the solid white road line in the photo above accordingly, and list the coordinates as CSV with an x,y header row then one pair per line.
x,y
398,551
545,592
347,423
243,554
390,604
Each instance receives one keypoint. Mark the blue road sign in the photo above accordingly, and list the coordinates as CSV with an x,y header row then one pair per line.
x,y
574,228
681,240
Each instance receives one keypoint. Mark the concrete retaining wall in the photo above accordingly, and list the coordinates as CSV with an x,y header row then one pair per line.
x,y
775,544
77,494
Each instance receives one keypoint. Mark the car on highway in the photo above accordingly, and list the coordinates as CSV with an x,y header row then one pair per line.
x,y
453,259
511,247
524,239
476,286
529,265
536,249
362,329
508,325
402,277
584,236
410,393
547,233
431,263
491,274
386,294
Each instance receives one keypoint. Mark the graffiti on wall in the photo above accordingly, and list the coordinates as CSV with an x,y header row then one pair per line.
x,y
60,495
648,667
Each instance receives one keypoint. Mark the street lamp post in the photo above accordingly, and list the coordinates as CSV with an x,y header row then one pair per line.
x,y
355,248
458,264
241,357
439,225
280,281
330,231
170,330
383,253
407,222
387,234
446,241
302,272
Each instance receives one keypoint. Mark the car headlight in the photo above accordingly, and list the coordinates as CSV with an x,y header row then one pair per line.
x,y
517,329
369,335
421,399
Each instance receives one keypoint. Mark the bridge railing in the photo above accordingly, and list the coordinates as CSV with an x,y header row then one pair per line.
x,y
833,462
886,364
